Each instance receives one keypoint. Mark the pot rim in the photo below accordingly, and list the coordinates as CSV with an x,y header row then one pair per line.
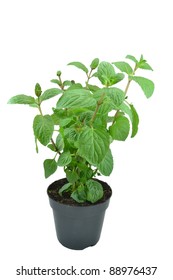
x,y
79,205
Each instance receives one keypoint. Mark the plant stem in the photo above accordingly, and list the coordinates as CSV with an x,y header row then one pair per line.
x,y
95,112
52,141
129,81
127,87
61,86
125,91
99,102
89,77
39,108
55,155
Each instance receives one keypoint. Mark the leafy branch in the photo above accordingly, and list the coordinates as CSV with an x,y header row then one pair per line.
x,y
82,116
99,102
125,91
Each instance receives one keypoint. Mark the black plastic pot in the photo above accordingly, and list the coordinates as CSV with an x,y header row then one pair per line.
x,y
78,227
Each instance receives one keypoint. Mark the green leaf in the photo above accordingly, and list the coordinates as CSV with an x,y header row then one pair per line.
x,y
146,85
95,75
55,81
34,105
82,192
131,112
75,196
21,99
43,128
116,79
86,116
124,67
67,83
71,136
94,63
51,147
86,172
55,119
58,115
93,144
79,196
36,145
64,188
79,65
94,191
92,88
106,73
76,98
135,121
59,142
72,176
144,65
124,107
105,107
64,159
116,95
65,121
106,165
120,129
131,57
77,111
49,93
50,166
74,86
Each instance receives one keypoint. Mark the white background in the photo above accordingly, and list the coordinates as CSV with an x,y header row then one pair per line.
x,y
37,39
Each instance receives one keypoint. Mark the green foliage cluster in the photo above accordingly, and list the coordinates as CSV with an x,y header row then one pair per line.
x,y
85,121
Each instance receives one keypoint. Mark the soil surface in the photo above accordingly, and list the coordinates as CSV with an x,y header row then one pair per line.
x,y
66,199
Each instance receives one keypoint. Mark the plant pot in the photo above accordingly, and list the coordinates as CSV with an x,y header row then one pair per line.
x,y
78,226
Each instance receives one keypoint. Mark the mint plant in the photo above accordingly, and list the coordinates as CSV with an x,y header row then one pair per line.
x,y
85,121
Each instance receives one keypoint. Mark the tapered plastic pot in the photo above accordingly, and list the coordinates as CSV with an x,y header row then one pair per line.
x,y
78,227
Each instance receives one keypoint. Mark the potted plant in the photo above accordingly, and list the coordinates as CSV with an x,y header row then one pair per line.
x,y
85,121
